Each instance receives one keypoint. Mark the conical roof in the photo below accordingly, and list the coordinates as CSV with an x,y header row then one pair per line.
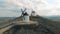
x,y
25,13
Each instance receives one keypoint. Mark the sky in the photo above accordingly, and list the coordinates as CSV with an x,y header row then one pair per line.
x,y
11,8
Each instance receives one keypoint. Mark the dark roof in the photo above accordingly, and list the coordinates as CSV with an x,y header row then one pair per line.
x,y
25,13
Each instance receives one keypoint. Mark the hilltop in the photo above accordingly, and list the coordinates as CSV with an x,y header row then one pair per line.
x,y
51,25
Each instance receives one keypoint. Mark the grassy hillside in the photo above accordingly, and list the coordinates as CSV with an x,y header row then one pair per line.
x,y
52,25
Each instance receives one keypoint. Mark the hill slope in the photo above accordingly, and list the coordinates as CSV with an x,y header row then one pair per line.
x,y
51,25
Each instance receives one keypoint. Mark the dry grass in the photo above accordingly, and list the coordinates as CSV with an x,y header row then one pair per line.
x,y
22,23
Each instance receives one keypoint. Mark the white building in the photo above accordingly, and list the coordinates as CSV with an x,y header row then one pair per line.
x,y
26,17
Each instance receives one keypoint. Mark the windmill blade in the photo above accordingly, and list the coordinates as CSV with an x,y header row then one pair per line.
x,y
22,12
25,9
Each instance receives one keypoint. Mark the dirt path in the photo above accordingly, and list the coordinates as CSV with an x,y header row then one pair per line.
x,y
4,29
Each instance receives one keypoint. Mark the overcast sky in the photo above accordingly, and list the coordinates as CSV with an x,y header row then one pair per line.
x,y
11,8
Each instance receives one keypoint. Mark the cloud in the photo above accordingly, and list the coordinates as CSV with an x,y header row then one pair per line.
x,y
8,9
42,7
8,13
54,12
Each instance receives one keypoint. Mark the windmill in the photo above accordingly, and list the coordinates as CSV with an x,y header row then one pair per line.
x,y
33,13
25,15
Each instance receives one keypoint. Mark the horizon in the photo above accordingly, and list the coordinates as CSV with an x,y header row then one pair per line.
x,y
41,16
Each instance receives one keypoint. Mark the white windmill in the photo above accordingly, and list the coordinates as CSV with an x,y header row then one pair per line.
x,y
25,15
